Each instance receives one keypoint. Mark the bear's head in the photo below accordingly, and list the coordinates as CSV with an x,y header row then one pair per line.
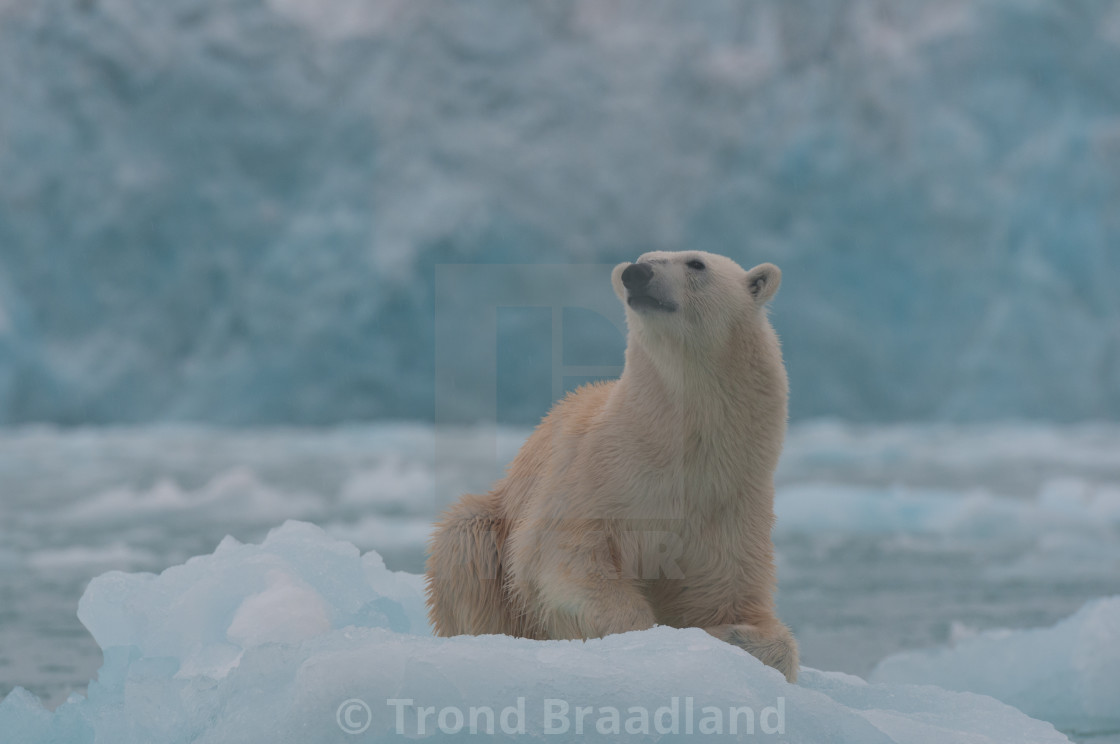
x,y
692,294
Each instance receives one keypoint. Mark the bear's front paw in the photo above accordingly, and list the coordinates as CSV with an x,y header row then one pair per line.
x,y
773,646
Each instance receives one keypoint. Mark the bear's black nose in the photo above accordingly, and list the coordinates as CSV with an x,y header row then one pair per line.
x,y
636,276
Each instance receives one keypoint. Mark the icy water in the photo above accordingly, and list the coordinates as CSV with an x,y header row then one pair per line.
x,y
888,538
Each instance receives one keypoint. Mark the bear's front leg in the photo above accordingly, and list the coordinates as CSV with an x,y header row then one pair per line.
x,y
770,642
580,588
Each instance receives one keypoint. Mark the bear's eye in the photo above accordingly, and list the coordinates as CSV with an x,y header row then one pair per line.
x,y
695,264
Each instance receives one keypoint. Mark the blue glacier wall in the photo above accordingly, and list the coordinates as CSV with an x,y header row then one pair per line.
x,y
233,210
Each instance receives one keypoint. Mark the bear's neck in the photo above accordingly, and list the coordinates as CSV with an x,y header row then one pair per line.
x,y
720,405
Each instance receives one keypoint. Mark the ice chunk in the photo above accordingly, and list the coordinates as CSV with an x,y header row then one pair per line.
x,y
288,610
1068,674
297,584
300,639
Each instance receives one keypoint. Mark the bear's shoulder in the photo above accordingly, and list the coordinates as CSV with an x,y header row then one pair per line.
x,y
576,410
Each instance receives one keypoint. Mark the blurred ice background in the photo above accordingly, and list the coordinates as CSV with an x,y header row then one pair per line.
x,y
231,210
221,222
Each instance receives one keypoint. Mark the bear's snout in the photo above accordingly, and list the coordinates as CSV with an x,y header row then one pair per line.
x,y
636,276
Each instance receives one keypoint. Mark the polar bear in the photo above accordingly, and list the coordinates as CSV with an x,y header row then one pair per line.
x,y
645,500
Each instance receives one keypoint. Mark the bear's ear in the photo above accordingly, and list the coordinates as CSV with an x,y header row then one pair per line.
x,y
762,282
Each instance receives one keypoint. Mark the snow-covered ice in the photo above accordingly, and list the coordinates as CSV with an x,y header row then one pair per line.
x,y
301,638
887,538
1068,674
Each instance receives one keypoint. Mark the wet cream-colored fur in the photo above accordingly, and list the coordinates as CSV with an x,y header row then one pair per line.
x,y
646,500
